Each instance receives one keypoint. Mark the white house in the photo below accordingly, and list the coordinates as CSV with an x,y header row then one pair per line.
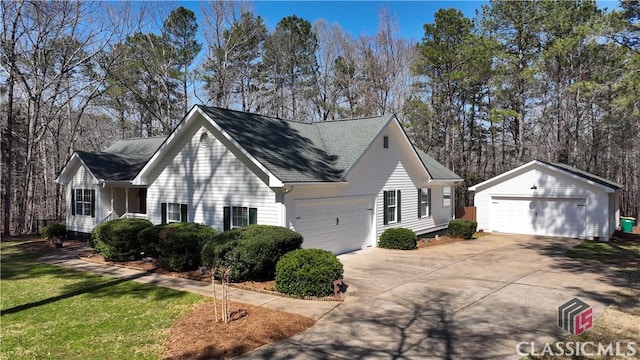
x,y
339,183
542,198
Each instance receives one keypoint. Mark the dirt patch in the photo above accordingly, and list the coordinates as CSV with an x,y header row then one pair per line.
x,y
199,336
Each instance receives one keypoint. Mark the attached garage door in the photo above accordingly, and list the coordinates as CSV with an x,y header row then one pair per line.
x,y
339,225
538,216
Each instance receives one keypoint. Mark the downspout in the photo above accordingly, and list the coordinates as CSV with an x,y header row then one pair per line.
x,y
285,189
126,196
111,200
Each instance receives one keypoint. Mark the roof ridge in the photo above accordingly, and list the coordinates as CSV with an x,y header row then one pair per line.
x,y
249,113
355,118
582,173
296,120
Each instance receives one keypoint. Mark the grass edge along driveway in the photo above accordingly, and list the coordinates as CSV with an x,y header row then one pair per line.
x,y
53,312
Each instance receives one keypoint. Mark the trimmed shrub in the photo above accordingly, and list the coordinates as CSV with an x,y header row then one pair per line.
x,y
308,272
117,240
251,251
180,244
398,238
54,231
459,228
149,239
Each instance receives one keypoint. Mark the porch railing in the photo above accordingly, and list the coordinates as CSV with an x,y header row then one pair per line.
x,y
110,216
131,215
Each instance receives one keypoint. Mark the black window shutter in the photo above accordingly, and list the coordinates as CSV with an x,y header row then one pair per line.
x,y
429,202
183,212
398,207
93,203
163,210
226,225
73,201
385,205
419,203
253,216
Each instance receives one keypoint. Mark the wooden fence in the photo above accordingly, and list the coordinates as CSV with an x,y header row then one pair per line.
x,y
467,213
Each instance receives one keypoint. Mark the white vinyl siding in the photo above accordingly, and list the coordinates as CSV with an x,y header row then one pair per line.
x,y
549,184
83,180
209,179
379,170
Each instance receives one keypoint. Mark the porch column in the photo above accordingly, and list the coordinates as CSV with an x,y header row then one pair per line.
x,y
126,197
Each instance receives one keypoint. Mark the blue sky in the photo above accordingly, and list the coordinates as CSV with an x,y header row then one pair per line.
x,y
356,17
361,17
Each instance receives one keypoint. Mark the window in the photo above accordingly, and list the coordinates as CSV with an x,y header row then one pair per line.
x,y
173,212
424,202
385,142
239,216
446,196
83,201
392,207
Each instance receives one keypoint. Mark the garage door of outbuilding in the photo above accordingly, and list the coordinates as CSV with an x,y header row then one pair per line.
x,y
336,224
539,216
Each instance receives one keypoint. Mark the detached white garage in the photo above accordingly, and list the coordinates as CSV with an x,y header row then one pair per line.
x,y
548,199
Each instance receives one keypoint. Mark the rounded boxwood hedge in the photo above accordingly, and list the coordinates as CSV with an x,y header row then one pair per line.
x,y
398,238
117,240
56,230
251,251
308,272
179,244
460,228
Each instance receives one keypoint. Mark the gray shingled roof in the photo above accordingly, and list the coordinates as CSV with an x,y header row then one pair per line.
x,y
291,150
436,170
585,175
123,160
300,152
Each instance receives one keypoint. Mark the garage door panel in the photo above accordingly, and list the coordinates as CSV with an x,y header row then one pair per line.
x,y
539,216
339,225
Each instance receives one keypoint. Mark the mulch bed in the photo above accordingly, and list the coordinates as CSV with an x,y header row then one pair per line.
x,y
423,243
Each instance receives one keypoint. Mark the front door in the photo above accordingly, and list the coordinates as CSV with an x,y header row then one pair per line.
x,y
142,200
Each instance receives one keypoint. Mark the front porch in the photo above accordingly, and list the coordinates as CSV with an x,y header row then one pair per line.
x,y
125,201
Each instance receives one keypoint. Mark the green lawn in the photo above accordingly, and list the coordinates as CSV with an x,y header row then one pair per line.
x,y
56,313
615,252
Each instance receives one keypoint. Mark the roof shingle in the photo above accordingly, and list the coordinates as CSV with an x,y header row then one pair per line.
x,y
291,150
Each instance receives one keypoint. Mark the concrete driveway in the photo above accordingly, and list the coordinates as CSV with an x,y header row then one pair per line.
x,y
474,299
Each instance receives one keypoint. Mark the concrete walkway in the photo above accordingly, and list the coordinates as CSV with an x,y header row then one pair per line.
x,y
308,308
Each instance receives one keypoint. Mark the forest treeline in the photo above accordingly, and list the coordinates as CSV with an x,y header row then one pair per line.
x,y
550,80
